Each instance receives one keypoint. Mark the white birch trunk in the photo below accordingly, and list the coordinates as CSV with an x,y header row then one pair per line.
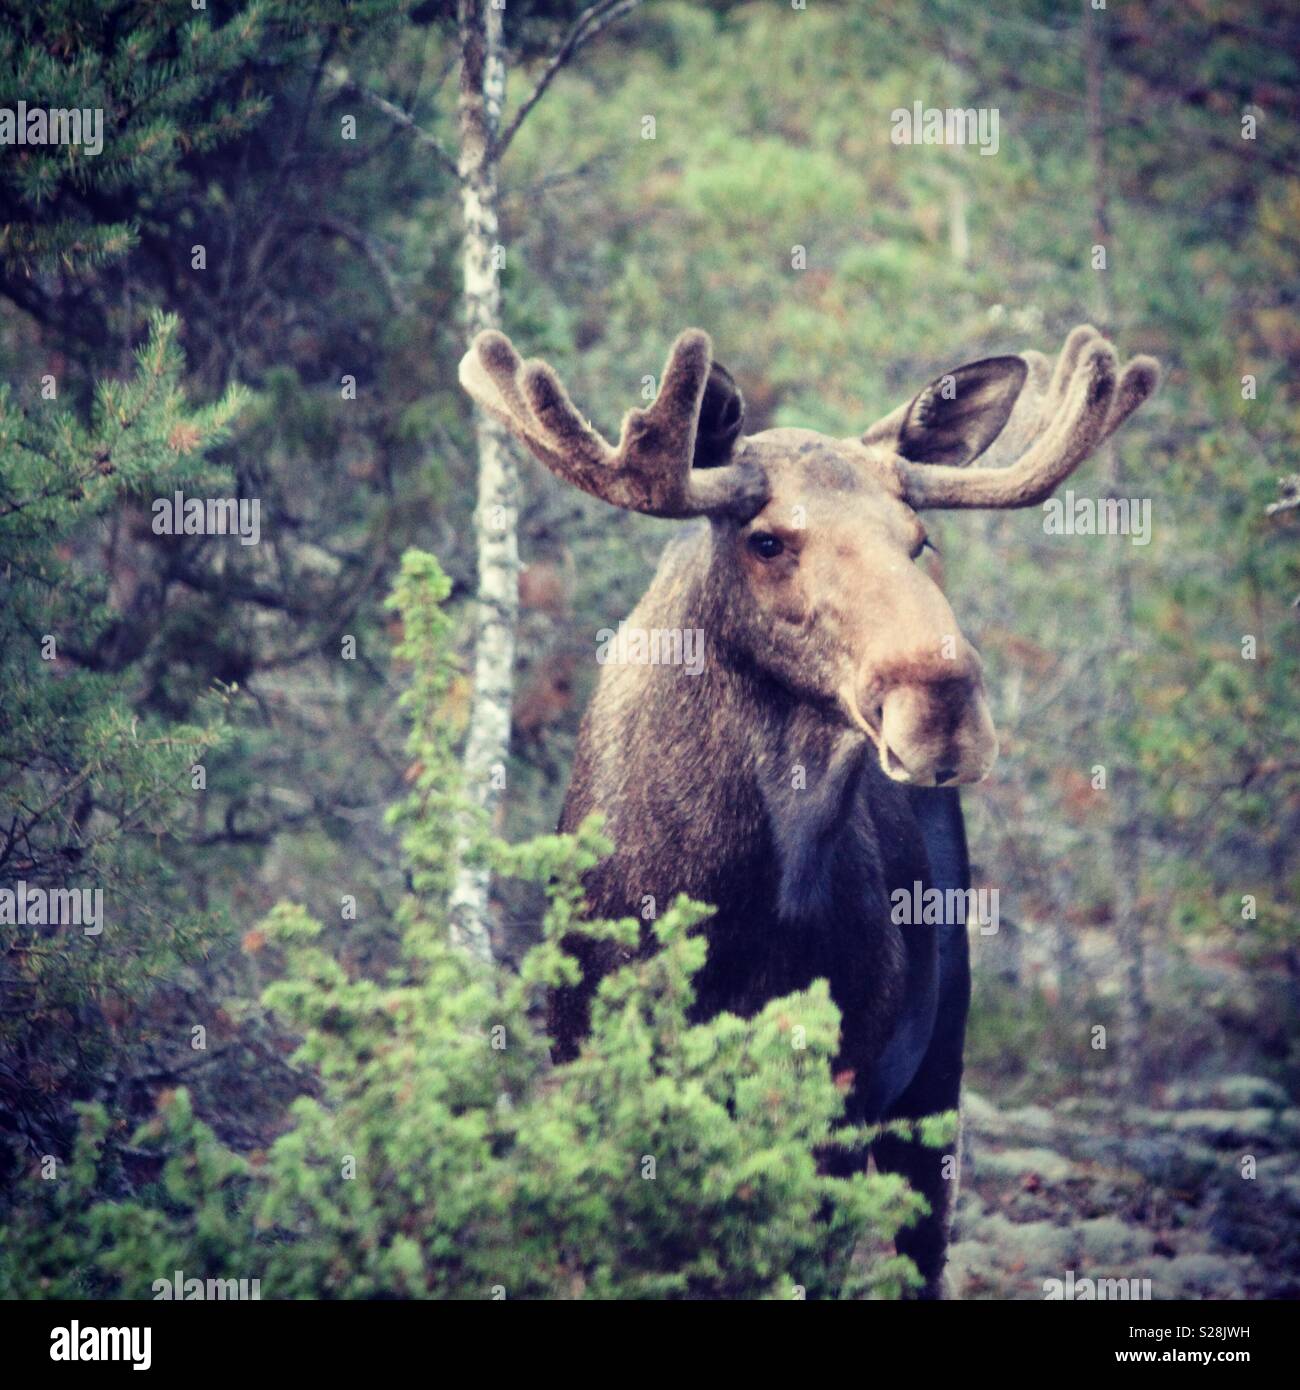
x,y
482,92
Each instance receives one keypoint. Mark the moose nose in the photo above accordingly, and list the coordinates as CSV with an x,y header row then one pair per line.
x,y
894,766
935,734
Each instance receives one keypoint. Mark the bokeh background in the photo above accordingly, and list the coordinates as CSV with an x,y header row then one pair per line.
x,y
1155,901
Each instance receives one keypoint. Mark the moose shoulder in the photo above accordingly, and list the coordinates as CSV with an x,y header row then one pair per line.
x,y
806,770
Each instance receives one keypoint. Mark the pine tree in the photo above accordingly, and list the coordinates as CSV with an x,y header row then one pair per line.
x,y
87,786
155,87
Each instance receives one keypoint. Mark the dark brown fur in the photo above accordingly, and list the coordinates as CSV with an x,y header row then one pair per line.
x,y
693,775
805,774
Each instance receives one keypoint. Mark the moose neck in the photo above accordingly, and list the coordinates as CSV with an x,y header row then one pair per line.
x,y
730,750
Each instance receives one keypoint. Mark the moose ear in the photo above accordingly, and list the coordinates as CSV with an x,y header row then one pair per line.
x,y
957,417
722,414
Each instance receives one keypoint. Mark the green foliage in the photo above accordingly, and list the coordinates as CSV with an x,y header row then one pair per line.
x,y
327,258
425,648
89,787
443,1156
157,86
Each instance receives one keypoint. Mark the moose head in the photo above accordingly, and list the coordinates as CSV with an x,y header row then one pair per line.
x,y
814,539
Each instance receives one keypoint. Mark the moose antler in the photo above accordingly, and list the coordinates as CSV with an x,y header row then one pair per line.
x,y
651,469
1062,416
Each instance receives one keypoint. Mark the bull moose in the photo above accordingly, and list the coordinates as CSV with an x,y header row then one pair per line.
x,y
829,651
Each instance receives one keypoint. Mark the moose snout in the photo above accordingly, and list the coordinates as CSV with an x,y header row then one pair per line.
x,y
937,733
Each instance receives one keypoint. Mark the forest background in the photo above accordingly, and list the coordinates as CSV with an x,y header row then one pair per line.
x,y
258,290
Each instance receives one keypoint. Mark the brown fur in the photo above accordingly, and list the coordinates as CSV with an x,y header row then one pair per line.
x,y
783,783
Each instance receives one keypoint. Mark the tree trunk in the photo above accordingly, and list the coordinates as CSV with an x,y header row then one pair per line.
x,y
1126,824
482,92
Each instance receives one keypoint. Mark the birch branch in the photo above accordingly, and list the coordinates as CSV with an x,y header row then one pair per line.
x,y
401,119
589,23
1288,495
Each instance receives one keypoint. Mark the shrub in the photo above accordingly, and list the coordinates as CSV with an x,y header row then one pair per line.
x,y
444,1157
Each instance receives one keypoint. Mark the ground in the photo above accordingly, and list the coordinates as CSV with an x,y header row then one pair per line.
x,y
1115,1191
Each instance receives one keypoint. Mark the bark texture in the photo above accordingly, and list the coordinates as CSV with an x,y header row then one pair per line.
x,y
482,92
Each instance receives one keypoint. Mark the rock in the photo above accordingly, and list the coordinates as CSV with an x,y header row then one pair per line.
x,y
1221,1127
1109,1241
1046,1164
1280,1179
1037,1247
1100,1147
1165,1159
1091,1107
1227,1128
980,1114
1033,1119
1196,1276
1230,1092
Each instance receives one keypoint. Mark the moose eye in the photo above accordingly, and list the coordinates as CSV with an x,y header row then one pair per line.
x,y
765,545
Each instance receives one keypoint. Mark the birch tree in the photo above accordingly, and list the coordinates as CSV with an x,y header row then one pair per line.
x,y
482,93
483,141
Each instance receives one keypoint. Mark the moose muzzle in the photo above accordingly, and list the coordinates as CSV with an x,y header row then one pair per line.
x,y
937,733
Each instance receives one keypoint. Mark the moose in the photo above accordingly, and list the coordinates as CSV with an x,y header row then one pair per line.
x,y
832,654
